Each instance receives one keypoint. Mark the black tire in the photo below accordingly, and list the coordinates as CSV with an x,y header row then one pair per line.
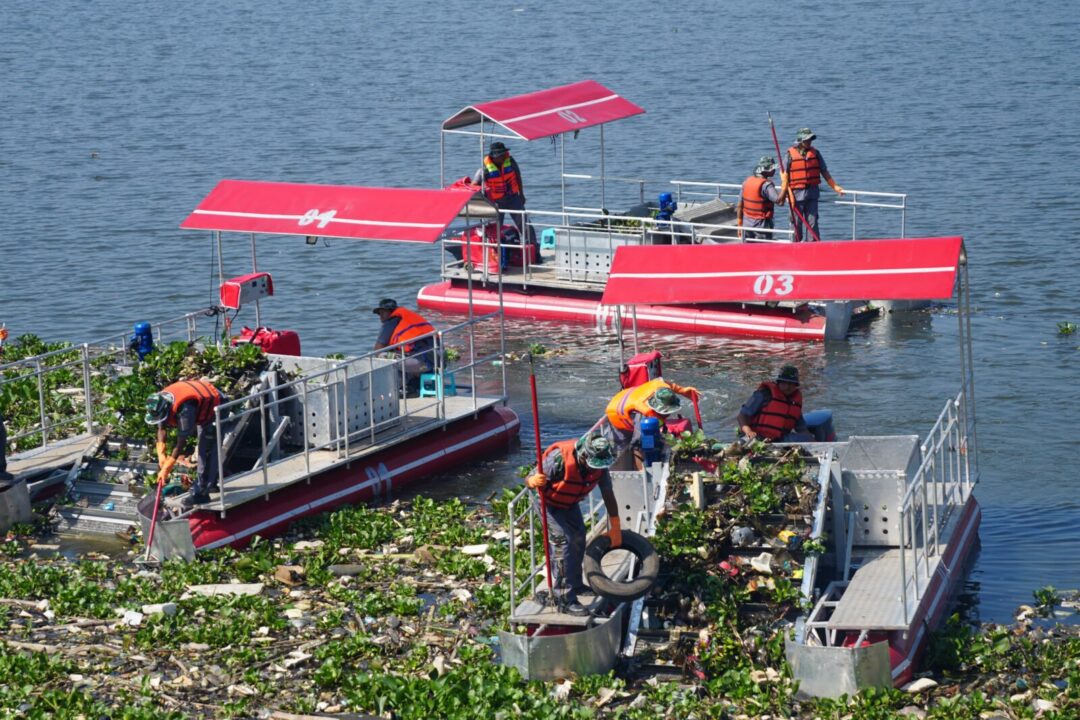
x,y
648,567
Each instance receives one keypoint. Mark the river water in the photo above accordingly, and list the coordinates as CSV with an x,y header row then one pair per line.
x,y
119,118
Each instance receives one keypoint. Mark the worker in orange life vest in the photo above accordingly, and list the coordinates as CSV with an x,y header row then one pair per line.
x,y
774,411
501,177
806,167
401,325
571,469
622,418
759,195
188,406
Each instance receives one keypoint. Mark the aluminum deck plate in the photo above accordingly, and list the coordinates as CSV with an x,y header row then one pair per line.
x,y
872,600
530,612
55,455
244,487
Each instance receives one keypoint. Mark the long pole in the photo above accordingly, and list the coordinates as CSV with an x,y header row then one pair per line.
x,y
153,518
540,468
791,195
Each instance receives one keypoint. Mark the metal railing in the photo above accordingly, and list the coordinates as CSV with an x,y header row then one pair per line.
x,y
68,372
326,393
942,484
732,192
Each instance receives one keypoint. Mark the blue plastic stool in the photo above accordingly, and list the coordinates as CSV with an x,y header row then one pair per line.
x,y
547,239
431,385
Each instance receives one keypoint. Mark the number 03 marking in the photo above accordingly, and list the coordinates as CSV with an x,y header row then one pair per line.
x,y
777,285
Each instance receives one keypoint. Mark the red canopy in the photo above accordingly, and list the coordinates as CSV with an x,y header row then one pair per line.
x,y
335,211
913,268
549,112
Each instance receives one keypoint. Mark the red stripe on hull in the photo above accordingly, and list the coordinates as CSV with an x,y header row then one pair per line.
x,y
393,468
905,654
752,321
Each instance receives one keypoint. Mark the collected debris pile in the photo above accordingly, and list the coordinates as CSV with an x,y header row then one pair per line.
x,y
733,551
373,611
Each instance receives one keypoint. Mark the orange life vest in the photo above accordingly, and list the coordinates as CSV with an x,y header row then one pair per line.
x,y
632,400
410,325
754,204
804,171
779,415
573,485
501,181
206,395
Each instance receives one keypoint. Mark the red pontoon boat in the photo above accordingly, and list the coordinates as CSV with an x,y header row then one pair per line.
x,y
898,512
328,433
558,271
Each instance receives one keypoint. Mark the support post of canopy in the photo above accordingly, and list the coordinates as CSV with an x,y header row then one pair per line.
x,y
442,159
255,269
603,172
562,175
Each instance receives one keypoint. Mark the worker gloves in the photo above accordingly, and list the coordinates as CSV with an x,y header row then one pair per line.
x,y
536,481
160,447
614,534
166,470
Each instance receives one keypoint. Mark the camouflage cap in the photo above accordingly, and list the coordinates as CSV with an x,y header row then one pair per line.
x,y
767,163
597,452
157,408
805,134
664,401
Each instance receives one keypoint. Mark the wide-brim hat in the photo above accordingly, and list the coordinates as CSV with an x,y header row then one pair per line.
x,y
664,401
596,451
805,134
788,374
387,304
497,147
157,408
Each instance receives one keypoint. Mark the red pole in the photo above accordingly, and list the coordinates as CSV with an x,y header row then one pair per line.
x,y
791,195
697,412
540,468
153,518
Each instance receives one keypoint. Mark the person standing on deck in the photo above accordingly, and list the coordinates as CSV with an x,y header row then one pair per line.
x,y
188,405
774,411
501,178
806,168
570,470
401,325
759,195
622,418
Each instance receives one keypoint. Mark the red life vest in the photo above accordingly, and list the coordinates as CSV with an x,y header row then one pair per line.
x,y
410,325
633,400
805,171
779,415
206,395
754,204
501,181
566,491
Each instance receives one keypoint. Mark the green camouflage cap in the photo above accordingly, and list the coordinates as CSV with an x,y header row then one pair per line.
x,y
597,452
664,401
788,373
767,163
805,134
157,408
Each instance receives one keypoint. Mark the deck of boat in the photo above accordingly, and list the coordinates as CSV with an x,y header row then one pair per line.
x,y
424,416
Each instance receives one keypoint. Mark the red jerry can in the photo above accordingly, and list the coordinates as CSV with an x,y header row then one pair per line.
x,y
278,342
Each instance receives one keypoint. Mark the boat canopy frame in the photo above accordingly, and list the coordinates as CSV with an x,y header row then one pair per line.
x,y
553,112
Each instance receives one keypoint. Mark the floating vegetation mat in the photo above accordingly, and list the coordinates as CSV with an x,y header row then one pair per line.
x,y
393,611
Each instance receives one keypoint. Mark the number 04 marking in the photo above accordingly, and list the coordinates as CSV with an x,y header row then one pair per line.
x,y
777,285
